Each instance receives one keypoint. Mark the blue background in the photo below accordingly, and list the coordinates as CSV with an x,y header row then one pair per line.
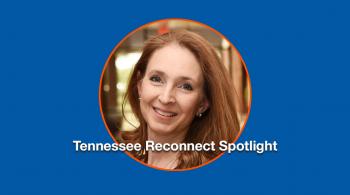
x,y
52,55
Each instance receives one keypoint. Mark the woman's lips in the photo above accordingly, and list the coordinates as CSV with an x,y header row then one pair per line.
x,y
164,112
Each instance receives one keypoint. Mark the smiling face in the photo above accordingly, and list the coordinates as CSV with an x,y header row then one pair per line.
x,y
172,91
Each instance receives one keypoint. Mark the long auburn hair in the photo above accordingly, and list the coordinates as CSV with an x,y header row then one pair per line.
x,y
219,122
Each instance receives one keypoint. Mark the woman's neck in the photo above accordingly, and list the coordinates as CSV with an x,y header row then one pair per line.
x,y
163,159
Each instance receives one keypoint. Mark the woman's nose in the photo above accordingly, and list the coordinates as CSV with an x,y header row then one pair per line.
x,y
167,96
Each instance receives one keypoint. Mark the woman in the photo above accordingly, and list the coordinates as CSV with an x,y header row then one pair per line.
x,y
181,93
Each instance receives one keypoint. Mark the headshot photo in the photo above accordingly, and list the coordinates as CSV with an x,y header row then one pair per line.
x,y
175,81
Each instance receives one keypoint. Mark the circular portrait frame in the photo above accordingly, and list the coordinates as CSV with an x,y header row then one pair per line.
x,y
110,99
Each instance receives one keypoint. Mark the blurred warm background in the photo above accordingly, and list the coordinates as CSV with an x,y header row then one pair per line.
x,y
120,65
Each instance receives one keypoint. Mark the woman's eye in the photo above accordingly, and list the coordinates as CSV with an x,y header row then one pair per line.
x,y
186,86
155,79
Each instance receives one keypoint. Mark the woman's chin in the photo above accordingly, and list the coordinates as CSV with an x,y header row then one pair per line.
x,y
161,129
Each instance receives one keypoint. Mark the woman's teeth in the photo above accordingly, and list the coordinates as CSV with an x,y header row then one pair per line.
x,y
164,113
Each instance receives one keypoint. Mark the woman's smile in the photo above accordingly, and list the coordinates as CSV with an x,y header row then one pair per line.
x,y
164,113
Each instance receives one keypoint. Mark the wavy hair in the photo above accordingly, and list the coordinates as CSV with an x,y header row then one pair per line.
x,y
218,122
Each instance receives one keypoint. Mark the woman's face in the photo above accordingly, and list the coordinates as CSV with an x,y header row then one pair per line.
x,y
171,90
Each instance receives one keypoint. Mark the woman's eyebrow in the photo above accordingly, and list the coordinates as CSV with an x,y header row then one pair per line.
x,y
161,73
157,72
186,78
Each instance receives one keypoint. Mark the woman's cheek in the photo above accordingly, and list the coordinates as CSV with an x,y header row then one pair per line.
x,y
149,91
189,102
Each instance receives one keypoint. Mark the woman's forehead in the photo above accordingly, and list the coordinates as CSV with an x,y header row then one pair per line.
x,y
176,61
